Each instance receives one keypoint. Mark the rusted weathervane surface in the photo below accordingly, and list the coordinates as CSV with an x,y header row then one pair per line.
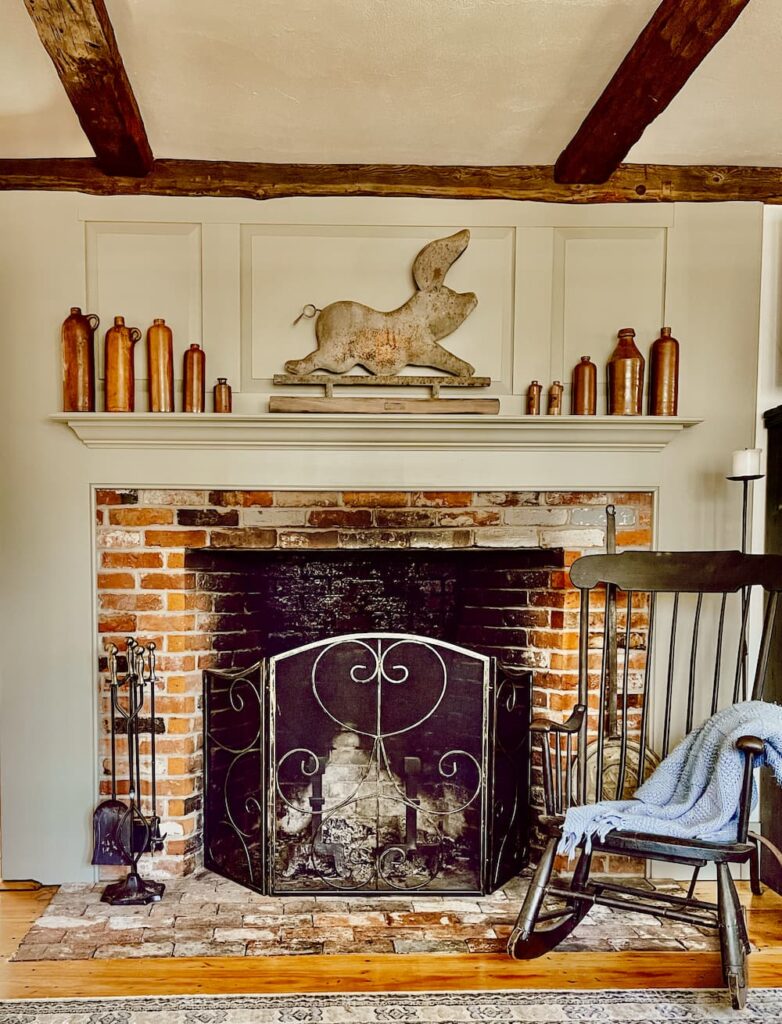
x,y
350,334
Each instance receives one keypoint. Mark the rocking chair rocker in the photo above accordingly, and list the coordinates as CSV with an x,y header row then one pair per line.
x,y
673,609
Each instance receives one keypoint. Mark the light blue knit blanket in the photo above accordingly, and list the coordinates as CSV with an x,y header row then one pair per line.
x,y
695,791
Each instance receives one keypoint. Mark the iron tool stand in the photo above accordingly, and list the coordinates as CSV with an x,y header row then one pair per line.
x,y
745,486
136,832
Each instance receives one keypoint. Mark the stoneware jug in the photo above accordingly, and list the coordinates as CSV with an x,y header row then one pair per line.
x,y
664,375
160,360
194,386
625,377
584,397
222,395
78,361
120,375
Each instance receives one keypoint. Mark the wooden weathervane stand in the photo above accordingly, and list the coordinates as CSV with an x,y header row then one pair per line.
x,y
434,404
350,334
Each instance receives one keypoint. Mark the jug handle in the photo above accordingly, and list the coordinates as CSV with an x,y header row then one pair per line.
x,y
93,320
135,334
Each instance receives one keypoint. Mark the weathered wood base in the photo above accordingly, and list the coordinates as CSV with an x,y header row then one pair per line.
x,y
442,406
328,381
634,183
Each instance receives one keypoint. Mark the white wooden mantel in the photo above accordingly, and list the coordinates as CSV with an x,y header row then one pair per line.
x,y
349,432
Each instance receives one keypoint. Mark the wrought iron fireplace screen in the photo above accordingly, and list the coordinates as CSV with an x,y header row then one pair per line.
x,y
364,763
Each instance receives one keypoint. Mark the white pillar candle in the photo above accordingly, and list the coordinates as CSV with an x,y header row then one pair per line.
x,y
746,462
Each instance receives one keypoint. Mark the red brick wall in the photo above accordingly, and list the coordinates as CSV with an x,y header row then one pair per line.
x,y
144,589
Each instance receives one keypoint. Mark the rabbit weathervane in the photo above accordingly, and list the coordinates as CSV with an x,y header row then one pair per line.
x,y
350,334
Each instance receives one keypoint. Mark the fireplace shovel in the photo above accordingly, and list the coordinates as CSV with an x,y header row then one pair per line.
x,y
108,815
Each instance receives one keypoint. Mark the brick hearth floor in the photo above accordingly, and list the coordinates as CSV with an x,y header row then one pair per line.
x,y
206,915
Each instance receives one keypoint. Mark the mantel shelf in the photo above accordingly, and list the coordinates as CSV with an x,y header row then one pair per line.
x,y
348,432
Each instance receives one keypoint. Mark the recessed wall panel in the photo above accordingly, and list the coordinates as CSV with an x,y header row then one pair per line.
x,y
605,279
286,267
142,271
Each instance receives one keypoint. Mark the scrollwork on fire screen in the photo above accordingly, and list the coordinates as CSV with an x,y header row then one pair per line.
x,y
374,809
234,839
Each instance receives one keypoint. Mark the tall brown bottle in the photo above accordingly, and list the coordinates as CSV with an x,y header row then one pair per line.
x,y
120,377
625,377
194,386
584,397
664,375
160,362
78,361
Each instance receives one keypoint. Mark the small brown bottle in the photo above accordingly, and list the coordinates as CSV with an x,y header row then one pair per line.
x,y
222,394
625,377
533,398
194,378
160,366
555,393
78,361
120,376
664,375
584,397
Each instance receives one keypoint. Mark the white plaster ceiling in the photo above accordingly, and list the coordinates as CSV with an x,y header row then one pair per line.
x,y
409,81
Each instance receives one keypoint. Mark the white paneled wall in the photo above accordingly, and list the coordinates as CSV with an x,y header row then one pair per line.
x,y
553,283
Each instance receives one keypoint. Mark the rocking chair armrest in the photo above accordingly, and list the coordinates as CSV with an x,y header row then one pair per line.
x,y
549,733
573,724
751,747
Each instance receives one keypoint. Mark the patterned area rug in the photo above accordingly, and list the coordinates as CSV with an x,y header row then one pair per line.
x,y
639,1007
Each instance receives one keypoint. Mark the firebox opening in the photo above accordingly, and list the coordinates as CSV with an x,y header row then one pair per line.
x,y
266,602
322,784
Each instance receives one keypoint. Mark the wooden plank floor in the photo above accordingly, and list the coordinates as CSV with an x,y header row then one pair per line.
x,y
358,973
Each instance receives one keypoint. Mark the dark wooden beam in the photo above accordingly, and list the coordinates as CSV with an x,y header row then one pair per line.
x,y
632,183
678,37
79,38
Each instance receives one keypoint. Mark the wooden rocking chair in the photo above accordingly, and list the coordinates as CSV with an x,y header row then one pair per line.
x,y
663,641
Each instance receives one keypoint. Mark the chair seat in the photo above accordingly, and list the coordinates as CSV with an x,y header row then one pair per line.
x,y
649,845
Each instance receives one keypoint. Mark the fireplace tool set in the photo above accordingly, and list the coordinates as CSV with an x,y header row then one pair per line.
x,y
122,830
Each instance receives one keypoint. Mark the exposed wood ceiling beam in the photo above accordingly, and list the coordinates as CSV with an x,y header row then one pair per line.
x,y
79,38
632,182
678,37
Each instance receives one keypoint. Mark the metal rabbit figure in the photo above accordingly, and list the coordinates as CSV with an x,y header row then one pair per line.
x,y
351,334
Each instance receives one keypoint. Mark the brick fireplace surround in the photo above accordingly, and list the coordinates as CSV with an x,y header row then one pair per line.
x,y
145,589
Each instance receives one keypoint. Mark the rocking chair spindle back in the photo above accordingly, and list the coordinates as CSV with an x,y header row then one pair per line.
x,y
663,645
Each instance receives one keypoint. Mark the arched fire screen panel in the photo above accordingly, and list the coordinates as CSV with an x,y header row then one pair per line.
x,y
367,763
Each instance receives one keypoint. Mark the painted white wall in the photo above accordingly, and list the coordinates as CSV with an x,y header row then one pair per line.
x,y
769,390
565,283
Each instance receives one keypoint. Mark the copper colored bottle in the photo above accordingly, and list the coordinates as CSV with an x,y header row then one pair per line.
x,y
533,398
555,398
664,375
584,397
120,378
222,393
625,377
194,387
160,361
78,361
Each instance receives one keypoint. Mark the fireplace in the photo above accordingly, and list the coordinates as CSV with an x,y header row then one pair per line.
x,y
372,763
190,570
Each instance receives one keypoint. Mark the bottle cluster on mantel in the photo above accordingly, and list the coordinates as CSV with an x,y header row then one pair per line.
x,y
78,368
624,381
